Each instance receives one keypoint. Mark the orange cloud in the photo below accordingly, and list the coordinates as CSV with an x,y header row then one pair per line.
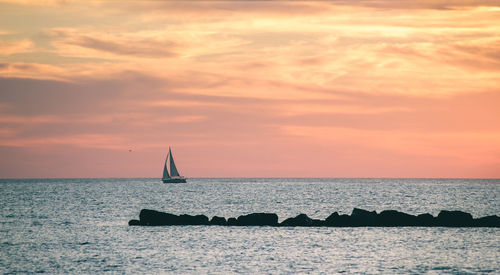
x,y
150,47
90,140
423,4
32,70
12,47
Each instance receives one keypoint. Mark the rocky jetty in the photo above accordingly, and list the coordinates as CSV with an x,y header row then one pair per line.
x,y
358,217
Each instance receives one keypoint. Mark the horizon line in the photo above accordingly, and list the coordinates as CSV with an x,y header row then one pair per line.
x,y
451,178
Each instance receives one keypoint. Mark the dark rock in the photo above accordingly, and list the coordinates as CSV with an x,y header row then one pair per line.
x,y
269,219
454,218
343,220
426,220
360,217
134,222
395,218
330,220
232,221
338,220
218,221
153,217
193,220
318,222
489,221
300,220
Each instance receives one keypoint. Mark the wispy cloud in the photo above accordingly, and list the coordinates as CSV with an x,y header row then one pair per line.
x,y
127,45
424,4
90,141
18,46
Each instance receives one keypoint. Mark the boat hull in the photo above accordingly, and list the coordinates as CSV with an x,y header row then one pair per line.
x,y
174,180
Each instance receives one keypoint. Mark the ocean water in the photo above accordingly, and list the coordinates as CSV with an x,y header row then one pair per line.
x,y
80,226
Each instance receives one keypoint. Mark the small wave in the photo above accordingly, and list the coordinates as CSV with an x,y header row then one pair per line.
x,y
441,268
110,268
486,271
6,244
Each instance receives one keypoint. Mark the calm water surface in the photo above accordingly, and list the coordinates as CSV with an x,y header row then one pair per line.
x,y
80,226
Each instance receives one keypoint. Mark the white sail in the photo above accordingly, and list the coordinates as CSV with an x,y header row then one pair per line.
x,y
165,171
173,169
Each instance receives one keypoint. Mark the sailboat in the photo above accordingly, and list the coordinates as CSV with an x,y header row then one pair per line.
x,y
174,176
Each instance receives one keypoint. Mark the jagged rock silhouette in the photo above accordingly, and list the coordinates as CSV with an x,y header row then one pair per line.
x,y
358,217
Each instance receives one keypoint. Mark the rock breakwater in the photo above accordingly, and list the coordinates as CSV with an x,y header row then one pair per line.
x,y
358,218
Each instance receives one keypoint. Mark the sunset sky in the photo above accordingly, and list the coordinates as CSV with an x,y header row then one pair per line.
x,y
359,88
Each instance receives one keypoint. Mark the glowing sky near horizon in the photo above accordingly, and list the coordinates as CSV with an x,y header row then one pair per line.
x,y
386,88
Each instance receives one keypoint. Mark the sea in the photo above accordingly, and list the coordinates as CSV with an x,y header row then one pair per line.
x,y
79,226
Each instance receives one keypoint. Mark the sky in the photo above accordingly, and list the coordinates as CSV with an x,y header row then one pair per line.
x,y
359,88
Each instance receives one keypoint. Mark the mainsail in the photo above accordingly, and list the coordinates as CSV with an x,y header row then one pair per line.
x,y
173,169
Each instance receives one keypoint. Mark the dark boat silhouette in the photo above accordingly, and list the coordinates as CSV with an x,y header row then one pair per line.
x,y
173,176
